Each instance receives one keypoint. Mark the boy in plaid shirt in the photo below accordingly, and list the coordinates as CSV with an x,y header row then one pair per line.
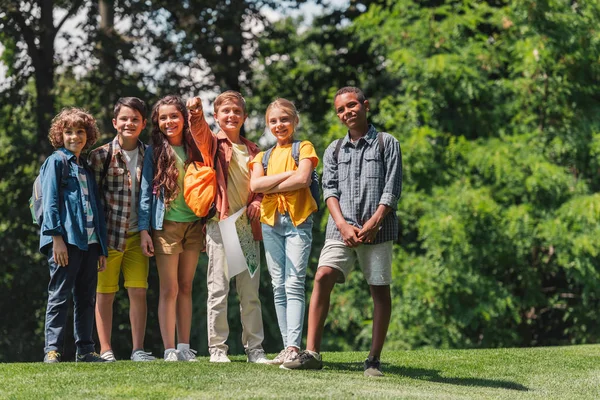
x,y
118,168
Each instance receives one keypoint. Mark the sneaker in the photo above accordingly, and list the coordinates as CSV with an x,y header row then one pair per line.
x,y
304,360
52,357
279,358
141,355
257,356
109,356
218,355
92,356
187,355
171,355
373,367
289,357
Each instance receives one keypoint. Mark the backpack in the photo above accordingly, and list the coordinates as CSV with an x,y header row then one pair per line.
x,y
315,188
36,201
200,188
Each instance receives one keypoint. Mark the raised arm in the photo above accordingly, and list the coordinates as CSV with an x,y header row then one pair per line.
x,y
201,133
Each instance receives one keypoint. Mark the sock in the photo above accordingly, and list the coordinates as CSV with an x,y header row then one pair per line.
x,y
167,351
183,346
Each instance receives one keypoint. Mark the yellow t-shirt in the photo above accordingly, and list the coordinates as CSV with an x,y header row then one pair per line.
x,y
298,203
238,180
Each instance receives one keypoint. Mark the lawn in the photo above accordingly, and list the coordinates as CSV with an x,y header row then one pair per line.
x,y
532,373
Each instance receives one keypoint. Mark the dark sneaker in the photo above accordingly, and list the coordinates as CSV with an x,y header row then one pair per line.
x,y
373,367
52,357
304,360
90,357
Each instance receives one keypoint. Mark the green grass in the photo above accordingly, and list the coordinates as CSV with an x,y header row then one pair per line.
x,y
533,373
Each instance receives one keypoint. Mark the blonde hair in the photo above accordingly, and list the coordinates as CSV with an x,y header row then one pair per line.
x,y
230,95
287,107
71,117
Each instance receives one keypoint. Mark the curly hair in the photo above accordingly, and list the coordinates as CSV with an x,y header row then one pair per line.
x,y
166,173
71,117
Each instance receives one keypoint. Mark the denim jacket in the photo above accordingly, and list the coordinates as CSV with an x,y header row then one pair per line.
x,y
151,210
63,209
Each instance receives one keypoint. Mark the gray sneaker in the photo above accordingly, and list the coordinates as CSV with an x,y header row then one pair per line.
x,y
373,367
141,355
304,360
89,357
257,356
187,355
171,355
52,357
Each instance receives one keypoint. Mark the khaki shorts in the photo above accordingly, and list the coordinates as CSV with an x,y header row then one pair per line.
x,y
175,237
375,260
132,262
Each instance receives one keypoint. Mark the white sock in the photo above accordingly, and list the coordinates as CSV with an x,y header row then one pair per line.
x,y
183,346
167,351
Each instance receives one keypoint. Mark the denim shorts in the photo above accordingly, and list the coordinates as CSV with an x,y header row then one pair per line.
x,y
375,260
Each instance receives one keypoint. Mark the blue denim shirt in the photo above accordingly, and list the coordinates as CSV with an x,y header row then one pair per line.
x,y
63,210
151,210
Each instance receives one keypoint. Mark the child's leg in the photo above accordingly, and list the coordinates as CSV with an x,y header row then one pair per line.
x,y
84,299
274,243
62,280
298,244
188,262
135,272
325,280
218,288
382,311
108,285
167,274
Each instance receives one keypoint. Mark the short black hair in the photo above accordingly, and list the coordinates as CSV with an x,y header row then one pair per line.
x,y
133,103
351,89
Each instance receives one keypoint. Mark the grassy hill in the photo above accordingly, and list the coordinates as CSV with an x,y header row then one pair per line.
x,y
533,373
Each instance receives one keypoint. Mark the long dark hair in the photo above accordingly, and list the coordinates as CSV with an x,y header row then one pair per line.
x,y
166,172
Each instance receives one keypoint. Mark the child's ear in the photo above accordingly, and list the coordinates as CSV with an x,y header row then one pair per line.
x,y
366,104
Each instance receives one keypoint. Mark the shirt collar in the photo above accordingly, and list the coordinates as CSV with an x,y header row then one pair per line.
x,y
369,137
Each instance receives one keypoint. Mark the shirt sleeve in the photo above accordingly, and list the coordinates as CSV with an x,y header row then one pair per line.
x,y
256,160
330,173
307,150
393,172
201,133
96,162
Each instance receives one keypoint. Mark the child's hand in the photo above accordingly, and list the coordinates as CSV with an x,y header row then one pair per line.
x,y
101,263
194,104
146,244
350,235
253,211
59,251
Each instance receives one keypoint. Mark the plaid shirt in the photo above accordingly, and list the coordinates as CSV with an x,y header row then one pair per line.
x,y
361,180
115,190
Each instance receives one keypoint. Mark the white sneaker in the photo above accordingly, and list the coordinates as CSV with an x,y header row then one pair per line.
x,y
279,358
218,355
108,355
187,355
171,355
141,355
257,356
290,356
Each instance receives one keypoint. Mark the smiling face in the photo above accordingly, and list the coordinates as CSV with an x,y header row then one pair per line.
x,y
170,123
230,116
129,124
74,139
352,112
282,125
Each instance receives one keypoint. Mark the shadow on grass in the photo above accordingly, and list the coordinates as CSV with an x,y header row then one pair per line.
x,y
430,375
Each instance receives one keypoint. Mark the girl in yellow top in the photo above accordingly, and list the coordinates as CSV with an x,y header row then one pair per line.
x,y
286,217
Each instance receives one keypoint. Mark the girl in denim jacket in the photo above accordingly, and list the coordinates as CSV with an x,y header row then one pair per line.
x,y
72,235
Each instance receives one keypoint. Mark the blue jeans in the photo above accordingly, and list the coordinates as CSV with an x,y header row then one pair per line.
x,y
287,249
79,279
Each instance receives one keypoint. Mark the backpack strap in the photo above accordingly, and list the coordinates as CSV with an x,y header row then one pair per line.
x,y
106,163
336,152
296,151
381,145
265,159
